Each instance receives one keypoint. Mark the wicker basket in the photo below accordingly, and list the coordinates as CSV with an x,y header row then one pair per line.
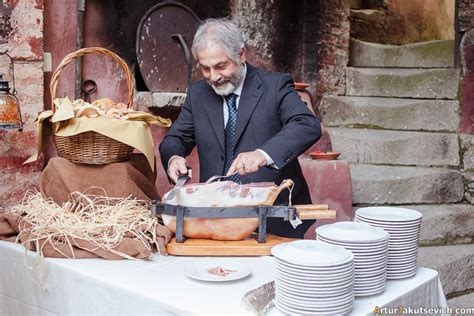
x,y
91,147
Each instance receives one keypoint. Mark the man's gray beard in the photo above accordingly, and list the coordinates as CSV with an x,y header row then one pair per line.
x,y
231,84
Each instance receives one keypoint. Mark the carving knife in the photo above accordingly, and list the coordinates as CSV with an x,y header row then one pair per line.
x,y
182,179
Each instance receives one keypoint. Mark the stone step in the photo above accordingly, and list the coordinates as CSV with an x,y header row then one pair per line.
x,y
391,113
455,265
437,83
372,146
431,54
444,224
464,304
373,184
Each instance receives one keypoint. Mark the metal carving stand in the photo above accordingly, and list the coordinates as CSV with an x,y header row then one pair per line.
x,y
261,212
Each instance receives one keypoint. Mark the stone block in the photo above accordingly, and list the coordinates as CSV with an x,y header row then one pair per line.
x,y
462,302
469,186
165,104
430,54
467,84
467,144
391,113
373,146
436,83
446,223
405,185
455,265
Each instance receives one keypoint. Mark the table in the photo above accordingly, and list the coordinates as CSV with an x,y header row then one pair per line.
x,y
159,286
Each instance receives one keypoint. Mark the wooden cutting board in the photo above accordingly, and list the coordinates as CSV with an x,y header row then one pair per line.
x,y
208,247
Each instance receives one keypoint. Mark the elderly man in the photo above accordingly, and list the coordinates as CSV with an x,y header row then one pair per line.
x,y
246,122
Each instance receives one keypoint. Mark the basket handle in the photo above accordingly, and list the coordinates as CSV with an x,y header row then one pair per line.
x,y
88,50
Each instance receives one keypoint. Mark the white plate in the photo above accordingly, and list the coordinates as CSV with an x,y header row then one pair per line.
x,y
395,226
314,302
284,292
352,232
357,245
343,310
368,274
403,249
375,258
406,238
309,292
199,271
305,268
384,213
370,287
315,286
312,282
401,276
388,224
363,282
370,292
314,253
401,265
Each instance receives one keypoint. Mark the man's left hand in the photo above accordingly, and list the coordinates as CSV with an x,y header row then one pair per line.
x,y
247,162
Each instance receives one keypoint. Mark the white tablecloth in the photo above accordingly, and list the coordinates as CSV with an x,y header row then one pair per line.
x,y
159,286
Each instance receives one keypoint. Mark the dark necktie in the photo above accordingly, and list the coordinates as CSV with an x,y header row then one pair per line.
x,y
231,101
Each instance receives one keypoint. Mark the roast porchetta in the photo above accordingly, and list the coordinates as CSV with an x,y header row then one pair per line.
x,y
222,194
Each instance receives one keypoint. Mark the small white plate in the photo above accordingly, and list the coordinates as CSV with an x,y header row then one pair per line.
x,y
337,268
354,244
352,232
389,214
199,271
313,253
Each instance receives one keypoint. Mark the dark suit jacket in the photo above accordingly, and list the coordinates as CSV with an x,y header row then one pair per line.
x,y
271,116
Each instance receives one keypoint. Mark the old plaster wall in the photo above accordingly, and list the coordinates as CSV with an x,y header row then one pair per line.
x,y
401,22
308,39
25,45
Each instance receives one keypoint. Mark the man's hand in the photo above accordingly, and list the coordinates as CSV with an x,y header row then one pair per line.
x,y
176,167
247,162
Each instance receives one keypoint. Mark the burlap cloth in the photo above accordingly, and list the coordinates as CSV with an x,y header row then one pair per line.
x,y
122,179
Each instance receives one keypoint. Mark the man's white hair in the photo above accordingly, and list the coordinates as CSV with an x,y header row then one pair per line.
x,y
219,32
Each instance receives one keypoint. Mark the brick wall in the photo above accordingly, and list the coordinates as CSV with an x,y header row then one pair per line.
x,y
333,48
466,15
25,45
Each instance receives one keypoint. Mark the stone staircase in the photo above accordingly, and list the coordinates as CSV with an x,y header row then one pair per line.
x,y
397,126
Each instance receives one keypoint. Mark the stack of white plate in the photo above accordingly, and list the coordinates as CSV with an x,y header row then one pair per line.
x,y
314,278
368,245
403,225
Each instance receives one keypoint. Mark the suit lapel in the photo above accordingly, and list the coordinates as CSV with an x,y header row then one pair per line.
x,y
213,105
251,94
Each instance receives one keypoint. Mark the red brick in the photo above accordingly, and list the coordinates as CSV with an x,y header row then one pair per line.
x,y
17,144
14,185
36,45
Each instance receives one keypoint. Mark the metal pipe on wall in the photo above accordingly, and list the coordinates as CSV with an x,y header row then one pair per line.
x,y
81,8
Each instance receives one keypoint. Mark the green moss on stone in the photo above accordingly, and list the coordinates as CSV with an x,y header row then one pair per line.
x,y
366,126
436,50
